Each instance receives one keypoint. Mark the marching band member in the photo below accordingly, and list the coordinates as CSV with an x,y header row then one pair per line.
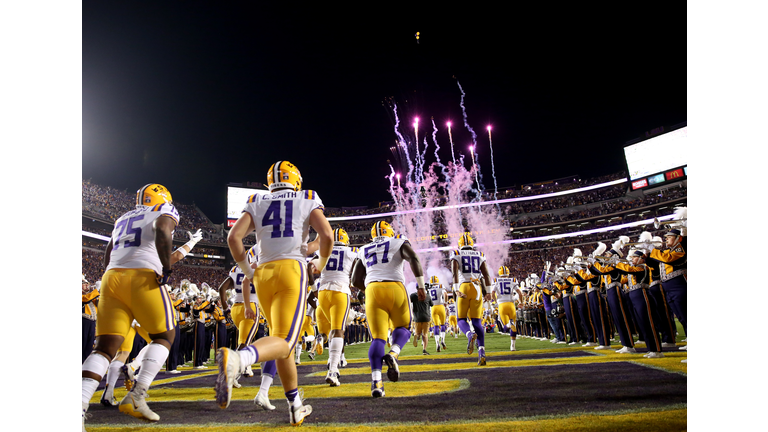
x,y
568,304
470,272
582,305
379,272
639,277
597,307
661,311
90,296
673,267
611,279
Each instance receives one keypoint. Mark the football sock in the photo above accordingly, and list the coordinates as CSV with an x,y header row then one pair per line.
x,y
334,352
400,337
248,355
97,364
266,383
154,359
375,353
113,372
464,327
376,375
293,397
480,332
269,368
136,363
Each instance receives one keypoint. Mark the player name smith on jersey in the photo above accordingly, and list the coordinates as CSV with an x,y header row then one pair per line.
x,y
133,238
469,263
383,260
282,223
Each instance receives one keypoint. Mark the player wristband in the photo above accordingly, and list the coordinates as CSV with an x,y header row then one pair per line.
x,y
246,268
420,282
182,251
321,262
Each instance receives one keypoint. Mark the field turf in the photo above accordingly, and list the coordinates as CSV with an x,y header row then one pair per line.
x,y
541,386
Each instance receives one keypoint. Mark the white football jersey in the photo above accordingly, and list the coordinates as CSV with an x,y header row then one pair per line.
x,y
133,238
469,264
435,292
282,223
382,260
335,275
451,309
237,279
505,288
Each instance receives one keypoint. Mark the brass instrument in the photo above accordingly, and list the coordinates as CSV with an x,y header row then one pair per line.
x,y
676,222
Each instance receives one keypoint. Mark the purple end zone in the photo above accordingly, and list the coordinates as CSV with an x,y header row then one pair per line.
x,y
493,393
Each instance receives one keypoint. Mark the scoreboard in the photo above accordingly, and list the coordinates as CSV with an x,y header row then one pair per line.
x,y
236,199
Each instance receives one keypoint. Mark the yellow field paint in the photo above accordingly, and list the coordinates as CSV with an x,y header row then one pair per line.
x,y
671,362
397,389
672,420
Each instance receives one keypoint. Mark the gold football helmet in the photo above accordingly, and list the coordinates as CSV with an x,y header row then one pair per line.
x,y
466,240
153,194
283,174
382,229
434,280
503,271
340,236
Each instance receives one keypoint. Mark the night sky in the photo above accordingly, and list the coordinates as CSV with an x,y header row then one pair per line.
x,y
194,95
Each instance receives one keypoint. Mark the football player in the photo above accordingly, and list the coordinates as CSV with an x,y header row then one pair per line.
x,y
138,261
506,291
470,272
247,327
379,271
438,295
451,312
334,300
281,219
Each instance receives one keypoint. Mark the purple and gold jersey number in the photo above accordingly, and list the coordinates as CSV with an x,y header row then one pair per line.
x,y
336,261
433,294
127,226
371,254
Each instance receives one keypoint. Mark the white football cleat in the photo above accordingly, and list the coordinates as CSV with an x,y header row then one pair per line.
x,y
134,404
343,361
332,378
229,369
236,384
298,415
263,402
